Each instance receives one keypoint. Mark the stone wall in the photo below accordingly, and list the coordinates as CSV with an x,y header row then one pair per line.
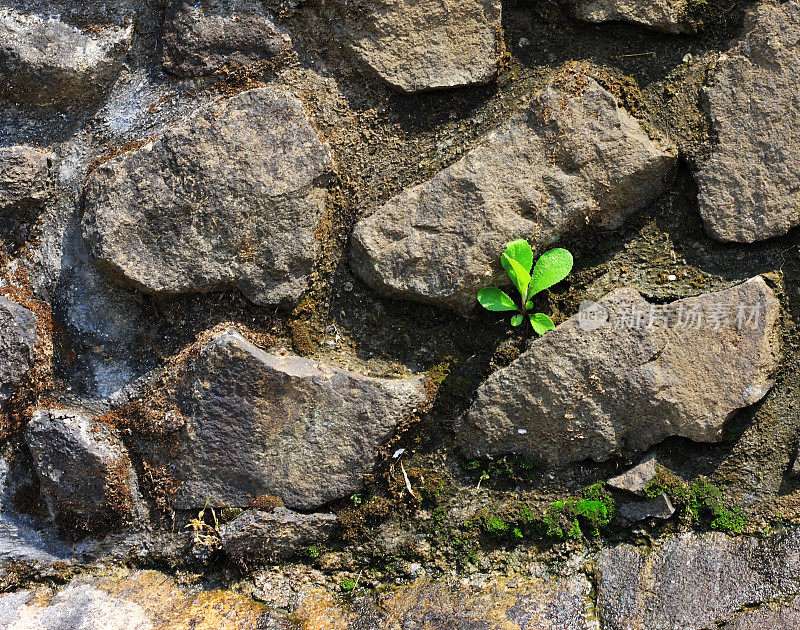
x,y
241,243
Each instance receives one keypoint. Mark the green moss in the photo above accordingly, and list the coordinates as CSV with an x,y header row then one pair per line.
x,y
507,469
574,517
495,526
701,502
347,584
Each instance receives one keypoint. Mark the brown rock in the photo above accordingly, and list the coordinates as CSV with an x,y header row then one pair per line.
x,y
574,158
591,388
749,189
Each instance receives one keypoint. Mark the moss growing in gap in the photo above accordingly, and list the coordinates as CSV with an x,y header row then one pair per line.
x,y
701,503
587,516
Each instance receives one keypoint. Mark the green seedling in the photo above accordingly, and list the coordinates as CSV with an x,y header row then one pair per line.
x,y
552,267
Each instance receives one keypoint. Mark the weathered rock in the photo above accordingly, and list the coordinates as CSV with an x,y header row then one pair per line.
x,y
17,343
669,16
424,45
592,388
229,198
573,158
83,468
260,424
636,479
257,537
782,616
24,178
487,602
200,38
796,464
44,61
659,507
749,188
691,581
138,600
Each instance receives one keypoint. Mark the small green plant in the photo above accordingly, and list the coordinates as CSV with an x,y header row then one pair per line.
x,y
552,267
347,584
313,552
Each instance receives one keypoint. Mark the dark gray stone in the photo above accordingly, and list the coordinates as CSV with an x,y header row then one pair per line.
x,y
44,61
573,158
776,616
591,388
257,537
230,197
263,424
659,507
691,581
749,188
24,178
201,37
83,467
17,344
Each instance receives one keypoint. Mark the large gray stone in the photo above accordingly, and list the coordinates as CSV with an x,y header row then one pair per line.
x,y
574,157
228,198
779,616
593,388
423,44
257,537
17,343
691,581
259,424
749,187
44,61
669,16
24,178
199,38
83,467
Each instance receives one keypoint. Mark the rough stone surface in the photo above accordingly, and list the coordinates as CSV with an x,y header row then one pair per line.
x,y
139,600
660,507
749,188
574,157
256,536
24,178
230,197
200,38
691,581
636,479
424,44
44,61
17,343
260,424
796,464
560,603
782,616
83,468
595,387
669,16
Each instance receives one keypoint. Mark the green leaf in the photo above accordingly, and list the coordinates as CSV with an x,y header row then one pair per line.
x,y
542,323
493,299
516,320
520,250
528,305
518,275
551,268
